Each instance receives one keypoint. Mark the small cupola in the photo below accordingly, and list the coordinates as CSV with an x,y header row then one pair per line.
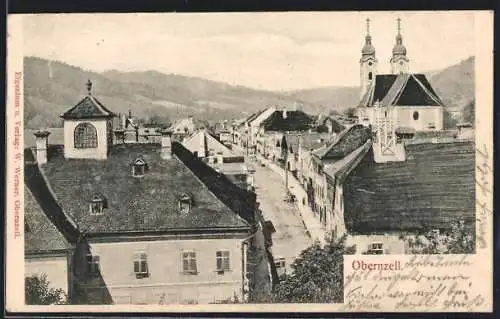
x,y
185,202
139,167
98,203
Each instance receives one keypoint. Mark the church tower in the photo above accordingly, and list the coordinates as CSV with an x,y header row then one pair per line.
x,y
400,64
368,62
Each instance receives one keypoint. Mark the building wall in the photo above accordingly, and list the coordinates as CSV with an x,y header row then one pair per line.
x,y
55,267
392,244
167,283
102,140
426,115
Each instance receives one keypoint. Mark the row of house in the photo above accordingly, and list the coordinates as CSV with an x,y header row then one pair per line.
x,y
120,222
392,174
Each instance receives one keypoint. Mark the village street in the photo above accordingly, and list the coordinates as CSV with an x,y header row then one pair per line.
x,y
291,236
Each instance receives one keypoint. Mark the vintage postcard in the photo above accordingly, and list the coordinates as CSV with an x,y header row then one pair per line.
x,y
294,161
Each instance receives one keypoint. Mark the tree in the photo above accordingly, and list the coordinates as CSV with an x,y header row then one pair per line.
x,y
317,274
449,122
38,292
468,113
457,240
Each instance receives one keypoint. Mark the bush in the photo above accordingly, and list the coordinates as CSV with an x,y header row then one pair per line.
x,y
38,292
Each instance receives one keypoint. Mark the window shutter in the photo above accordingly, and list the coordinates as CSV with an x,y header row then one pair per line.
x,y
219,263
136,266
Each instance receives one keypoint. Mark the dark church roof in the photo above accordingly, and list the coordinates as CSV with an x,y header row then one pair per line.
x,y
292,122
401,90
88,107
40,234
432,188
149,203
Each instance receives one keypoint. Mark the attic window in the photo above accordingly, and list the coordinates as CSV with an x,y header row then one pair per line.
x,y
97,204
185,203
139,168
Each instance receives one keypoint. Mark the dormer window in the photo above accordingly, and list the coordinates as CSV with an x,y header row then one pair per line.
x,y
139,168
185,203
97,204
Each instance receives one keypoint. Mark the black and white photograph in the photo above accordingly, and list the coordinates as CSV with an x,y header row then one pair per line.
x,y
240,158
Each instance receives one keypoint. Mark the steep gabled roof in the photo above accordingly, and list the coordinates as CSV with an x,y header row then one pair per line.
x,y
309,141
401,90
292,122
144,204
203,140
40,234
89,107
432,188
344,143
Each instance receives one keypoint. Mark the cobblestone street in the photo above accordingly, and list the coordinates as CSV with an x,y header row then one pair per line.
x,y
291,236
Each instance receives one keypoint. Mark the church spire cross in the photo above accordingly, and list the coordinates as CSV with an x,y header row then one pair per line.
x,y
367,26
89,87
399,25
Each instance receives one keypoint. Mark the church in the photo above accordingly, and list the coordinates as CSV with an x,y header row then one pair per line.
x,y
416,105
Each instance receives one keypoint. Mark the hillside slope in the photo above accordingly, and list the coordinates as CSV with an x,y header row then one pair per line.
x,y
53,87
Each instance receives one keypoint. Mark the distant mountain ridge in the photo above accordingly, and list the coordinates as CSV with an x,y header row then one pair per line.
x,y
52,87
455,85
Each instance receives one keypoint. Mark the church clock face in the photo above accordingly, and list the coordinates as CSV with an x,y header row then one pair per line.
x,y
370,64
401,63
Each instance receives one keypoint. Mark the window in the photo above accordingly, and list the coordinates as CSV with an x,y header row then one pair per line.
x,y
401,63
280,264
189,263
370,76
375,249
370,64
415,115
97,204
85,136
93,264
139,167
96,208
185,203
141,265
222,257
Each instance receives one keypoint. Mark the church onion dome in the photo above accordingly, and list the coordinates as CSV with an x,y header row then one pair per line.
x,y
368,48
399,48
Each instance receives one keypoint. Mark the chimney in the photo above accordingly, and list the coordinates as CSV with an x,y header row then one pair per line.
x,y
166,144
42,143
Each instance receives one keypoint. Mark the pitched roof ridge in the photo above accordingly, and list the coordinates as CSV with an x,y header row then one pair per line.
x,y
98,103
335,141
208,188
395,90
46,218
434,97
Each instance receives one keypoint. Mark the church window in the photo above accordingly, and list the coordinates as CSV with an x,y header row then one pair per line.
x,y
85,136
370,64
415,115
370,75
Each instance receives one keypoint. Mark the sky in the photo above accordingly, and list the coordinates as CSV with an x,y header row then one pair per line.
x,y
272,51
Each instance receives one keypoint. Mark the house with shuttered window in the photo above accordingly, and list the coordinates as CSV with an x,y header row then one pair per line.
x,y
145,223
